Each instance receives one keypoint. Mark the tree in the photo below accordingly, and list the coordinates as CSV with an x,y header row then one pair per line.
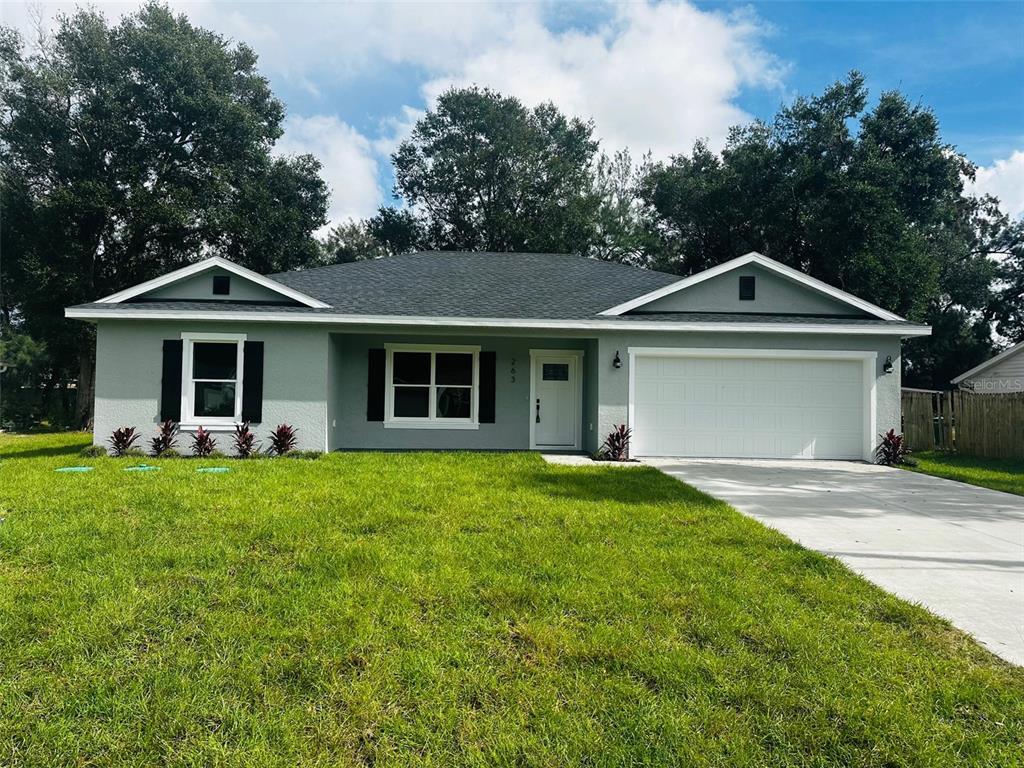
x,y
351,241
398,230
483,172
879,211
130,150
617,232
1007,307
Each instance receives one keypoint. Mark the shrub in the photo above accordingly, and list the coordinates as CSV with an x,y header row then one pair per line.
x,y
892,450
283,440
616,445
93,451
122,440
203,444
166,437
245,441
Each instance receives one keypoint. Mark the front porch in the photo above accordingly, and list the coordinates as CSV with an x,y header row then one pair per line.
x,y
400,391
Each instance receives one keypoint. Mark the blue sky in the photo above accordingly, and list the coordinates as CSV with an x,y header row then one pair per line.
x,y
653,76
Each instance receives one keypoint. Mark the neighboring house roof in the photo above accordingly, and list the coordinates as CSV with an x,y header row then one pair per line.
x,y
1000,358
763,261
484,289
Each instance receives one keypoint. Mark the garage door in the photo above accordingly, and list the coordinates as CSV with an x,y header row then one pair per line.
x,y
748,407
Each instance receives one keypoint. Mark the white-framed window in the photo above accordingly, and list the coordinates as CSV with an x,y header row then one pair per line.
x,y
432,386
211,378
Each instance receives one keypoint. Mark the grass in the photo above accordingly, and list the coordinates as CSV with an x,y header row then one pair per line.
x,y
998,474
453,609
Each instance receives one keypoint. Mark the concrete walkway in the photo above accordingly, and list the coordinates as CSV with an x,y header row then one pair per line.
x,y
954,548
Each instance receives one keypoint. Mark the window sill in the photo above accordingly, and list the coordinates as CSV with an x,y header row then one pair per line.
x,y
429,425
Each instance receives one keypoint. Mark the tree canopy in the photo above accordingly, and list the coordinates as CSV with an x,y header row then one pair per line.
x,y
131,149
481,171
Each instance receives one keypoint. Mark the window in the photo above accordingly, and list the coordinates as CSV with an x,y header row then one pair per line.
x,y
432,386
212,378
221,285
746,288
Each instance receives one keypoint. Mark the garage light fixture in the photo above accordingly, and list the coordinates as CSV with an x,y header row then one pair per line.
x,y
887,366
617,361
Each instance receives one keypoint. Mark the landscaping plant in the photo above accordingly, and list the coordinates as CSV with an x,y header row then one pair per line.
x,y
166,437
203,443
893,450
283,440
616,445
122,440
245,441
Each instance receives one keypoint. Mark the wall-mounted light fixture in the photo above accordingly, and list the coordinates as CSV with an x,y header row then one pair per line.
x,y
617,361
887,366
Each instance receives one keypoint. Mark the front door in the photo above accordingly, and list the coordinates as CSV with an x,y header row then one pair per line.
x,y
555,407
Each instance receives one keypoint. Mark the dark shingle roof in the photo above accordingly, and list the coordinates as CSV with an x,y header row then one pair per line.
x,y
459,284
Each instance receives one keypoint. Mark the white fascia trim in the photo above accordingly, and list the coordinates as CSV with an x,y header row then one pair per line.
x,y
989,363
202,266
483,322
763,261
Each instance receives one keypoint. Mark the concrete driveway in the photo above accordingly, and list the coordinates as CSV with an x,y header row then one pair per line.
x,y
954,548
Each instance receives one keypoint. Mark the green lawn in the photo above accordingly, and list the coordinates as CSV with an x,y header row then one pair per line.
x,y
998,474
453,609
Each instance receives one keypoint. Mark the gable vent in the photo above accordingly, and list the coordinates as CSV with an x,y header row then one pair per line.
x,y
221,285
746,287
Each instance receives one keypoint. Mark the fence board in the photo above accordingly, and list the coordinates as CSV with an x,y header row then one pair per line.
x,y
970,423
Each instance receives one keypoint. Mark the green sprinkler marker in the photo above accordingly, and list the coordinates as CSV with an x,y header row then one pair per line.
x,y
214,470
142,468
73,469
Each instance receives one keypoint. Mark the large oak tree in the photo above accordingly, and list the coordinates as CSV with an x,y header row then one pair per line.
x,y
131,149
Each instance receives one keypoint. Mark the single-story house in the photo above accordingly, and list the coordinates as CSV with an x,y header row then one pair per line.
x,y
505,351
1002,373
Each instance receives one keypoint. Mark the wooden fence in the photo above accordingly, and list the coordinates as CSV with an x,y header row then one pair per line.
x,y
969,423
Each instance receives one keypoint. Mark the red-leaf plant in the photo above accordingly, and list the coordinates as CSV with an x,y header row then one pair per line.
x,y
122,440
166,437
892,450
203,443
616,445
283,439
245,441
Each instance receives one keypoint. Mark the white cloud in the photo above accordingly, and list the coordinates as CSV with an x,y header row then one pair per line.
x,y
349,162
1004,179
652,77
655,77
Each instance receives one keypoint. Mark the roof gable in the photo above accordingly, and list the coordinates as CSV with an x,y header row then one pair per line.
x,y
180,283
826,298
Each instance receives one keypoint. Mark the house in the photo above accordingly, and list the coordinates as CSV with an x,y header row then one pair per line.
x,y
1002,373
451,350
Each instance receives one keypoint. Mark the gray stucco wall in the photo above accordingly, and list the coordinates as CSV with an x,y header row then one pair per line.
x,y
773,294
200,288
613,384
315,379
511,430
128,371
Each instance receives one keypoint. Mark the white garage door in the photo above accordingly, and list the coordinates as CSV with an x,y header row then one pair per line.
x,y
748,407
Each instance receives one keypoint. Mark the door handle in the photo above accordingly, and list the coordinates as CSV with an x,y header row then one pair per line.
x,y
538,410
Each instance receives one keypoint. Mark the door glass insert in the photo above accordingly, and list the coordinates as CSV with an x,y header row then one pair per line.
x,y
555,372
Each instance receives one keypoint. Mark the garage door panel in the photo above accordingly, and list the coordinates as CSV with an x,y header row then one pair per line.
x,y
756,407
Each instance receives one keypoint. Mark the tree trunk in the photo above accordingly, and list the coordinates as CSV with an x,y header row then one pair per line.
x,y
85,396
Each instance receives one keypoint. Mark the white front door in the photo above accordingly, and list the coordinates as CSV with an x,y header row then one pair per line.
x,y
555,404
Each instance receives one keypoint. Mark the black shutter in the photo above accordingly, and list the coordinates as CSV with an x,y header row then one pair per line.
x,y
375,365
252,383
170,381
488,382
